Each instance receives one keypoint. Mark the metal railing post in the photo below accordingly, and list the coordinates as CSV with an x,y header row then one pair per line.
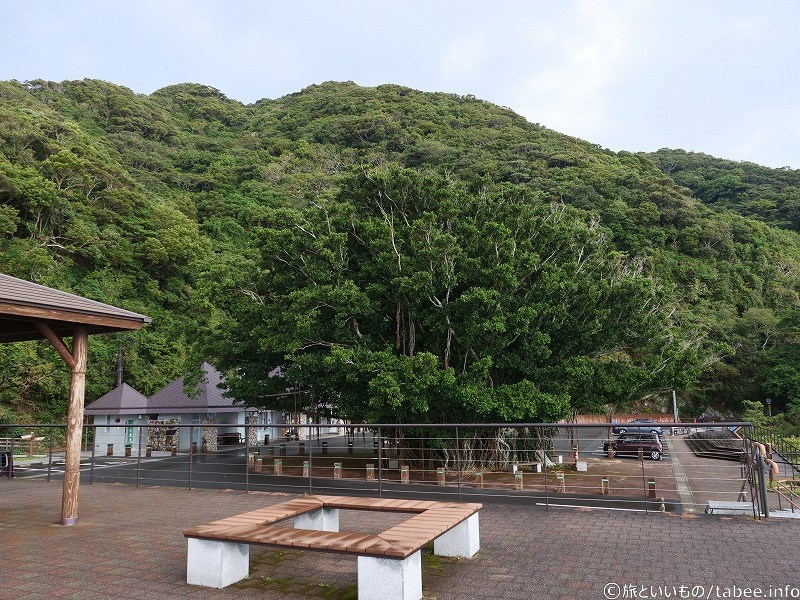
x,y
246,456
380,464
191,456
91,461
139,458
50,456
762,485
644,478
310,465
458,465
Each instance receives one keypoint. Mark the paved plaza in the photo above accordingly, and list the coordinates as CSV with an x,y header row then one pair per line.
x,y
128,544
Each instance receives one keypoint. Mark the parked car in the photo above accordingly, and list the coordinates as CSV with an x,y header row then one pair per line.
x,y
639,426
628,444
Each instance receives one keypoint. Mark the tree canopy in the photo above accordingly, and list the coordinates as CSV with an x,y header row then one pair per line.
x,y
399,254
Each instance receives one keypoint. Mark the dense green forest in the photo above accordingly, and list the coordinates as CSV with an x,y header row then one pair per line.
x,y
403,256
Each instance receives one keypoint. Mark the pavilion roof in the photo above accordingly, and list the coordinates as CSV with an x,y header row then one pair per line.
x,y
22,303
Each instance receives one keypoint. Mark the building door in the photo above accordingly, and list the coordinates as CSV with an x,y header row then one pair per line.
x,y
129,432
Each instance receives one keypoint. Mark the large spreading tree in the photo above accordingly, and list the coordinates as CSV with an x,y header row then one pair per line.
x,y
412,298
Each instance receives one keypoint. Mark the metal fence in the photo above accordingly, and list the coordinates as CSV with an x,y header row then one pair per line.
x,y
611,466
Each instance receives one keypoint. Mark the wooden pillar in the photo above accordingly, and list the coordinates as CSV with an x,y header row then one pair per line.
x,y
76,359
69,497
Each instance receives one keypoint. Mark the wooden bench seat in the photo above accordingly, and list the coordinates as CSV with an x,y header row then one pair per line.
x,y
218,551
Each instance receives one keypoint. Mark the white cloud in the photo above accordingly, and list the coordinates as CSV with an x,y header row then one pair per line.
x,y
465,55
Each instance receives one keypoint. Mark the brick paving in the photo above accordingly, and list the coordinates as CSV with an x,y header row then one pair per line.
x,y
128,544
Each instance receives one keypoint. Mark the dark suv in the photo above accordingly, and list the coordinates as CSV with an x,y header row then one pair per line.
x,y
628,444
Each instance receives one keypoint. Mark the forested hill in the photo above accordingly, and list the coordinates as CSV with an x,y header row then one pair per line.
x,y
405,255
770,195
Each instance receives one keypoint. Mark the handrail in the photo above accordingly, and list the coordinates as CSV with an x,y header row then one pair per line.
x,y
791,484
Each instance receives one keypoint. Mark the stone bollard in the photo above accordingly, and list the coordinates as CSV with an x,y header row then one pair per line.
x,y
251,460
277,466
605,488
370,472
639,455
561,485
305,469
440,476
174,450
404,474
301,448
479,478
610,451
324,447
270,452
337,470
148,451
194,447
127,449
518,483
651,488
110,450
283,449
259,464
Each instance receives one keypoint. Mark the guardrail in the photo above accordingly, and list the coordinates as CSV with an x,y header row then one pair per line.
x,y
788,449
547,464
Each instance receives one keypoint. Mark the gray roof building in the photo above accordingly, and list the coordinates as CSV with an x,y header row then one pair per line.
x,y
122,400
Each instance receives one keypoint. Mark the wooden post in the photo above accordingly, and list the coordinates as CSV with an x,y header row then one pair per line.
x,y
72,462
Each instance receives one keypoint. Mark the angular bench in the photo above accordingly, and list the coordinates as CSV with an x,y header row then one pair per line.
x,y
389,563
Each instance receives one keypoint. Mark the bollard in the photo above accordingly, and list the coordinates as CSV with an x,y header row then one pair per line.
x,y
518,484
605,488
479,478
283,449
174,450
324,447
110,450
610,451
639,455
374,446
266,439
277,466
561,485
440,476
651,488
259,464
251,460
337,470
194,447
127,449
663,505
575,454
370,472
404,474
301,448
148,451
270,452
350,447
305,468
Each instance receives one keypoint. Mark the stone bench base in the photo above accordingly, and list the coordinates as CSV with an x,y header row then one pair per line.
x,y
719,507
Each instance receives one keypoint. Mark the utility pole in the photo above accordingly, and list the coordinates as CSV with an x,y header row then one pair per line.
x,y
675,407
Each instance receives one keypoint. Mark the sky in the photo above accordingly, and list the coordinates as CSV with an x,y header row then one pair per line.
x,y
713,76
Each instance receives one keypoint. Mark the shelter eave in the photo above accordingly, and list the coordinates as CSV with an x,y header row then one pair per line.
x,y
18,323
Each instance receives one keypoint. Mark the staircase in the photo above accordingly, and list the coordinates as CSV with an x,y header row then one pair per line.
x,y
721,444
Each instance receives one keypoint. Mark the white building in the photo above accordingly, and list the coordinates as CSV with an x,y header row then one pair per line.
x,y
117,412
